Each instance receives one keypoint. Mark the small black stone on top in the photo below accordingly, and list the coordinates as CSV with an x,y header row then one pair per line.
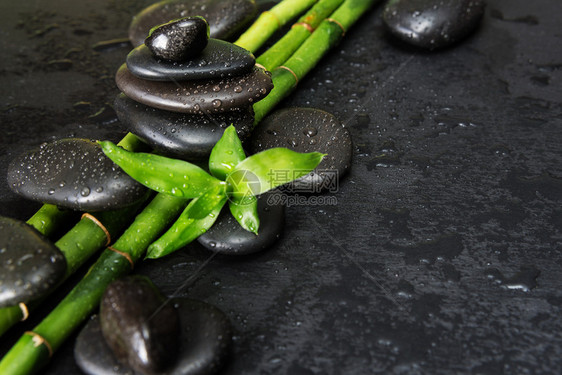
x,y
178,39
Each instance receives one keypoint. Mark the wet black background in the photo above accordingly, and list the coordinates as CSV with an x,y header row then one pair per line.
x,y
443,254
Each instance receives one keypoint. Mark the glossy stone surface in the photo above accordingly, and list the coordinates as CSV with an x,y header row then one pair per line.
x,y
93,355
225,18
181,135
308,130
201,96
138,325
219,59
432,24
179,39
204,341
30,265
73,173
226,236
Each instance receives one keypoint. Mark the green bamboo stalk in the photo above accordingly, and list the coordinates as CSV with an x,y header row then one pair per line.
x,y
25,356
270,21
301,30
78,245
326,36
47,219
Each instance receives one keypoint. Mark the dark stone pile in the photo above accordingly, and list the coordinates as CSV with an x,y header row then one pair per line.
x,y
181,89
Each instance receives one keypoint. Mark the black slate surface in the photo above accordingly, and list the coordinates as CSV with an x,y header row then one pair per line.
x,y
443,251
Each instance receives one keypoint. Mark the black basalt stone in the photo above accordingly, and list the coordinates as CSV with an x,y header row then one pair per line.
x,y
93,355
180,135
432,24
204,342
138,325
308,130
225,18
200,96
219,59
179,39
73,173
30,265
226,236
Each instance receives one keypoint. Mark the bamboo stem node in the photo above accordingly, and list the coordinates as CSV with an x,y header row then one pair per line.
x,y
272,15
290,71
24,311
39,340
305,25
261,67
125,255
99,224
337,23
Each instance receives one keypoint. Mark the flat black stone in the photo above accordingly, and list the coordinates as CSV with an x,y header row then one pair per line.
x,y
225,18
219,59
179,39
180,135
432,24
73,173
308,130
226,236
204,342
30,265
138,325
200,96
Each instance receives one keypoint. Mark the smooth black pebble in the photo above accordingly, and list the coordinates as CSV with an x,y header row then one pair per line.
x,y
30,265
138,325
226,18
185,136
219,59
179,39
308,130
226,236
204,343
432,24
200,96
73,173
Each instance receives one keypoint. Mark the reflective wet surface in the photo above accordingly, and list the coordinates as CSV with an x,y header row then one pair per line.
x,y
440,252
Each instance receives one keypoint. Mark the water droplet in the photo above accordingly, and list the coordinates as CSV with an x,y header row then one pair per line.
x,y
238,89
310,132
85,191
216,103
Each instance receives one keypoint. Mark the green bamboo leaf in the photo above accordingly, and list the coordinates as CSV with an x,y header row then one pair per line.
x,y
204,204
269,169
164,175
245,211
226,154
199,215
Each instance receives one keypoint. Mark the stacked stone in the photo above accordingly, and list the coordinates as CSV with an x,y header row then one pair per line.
x,y
180,89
